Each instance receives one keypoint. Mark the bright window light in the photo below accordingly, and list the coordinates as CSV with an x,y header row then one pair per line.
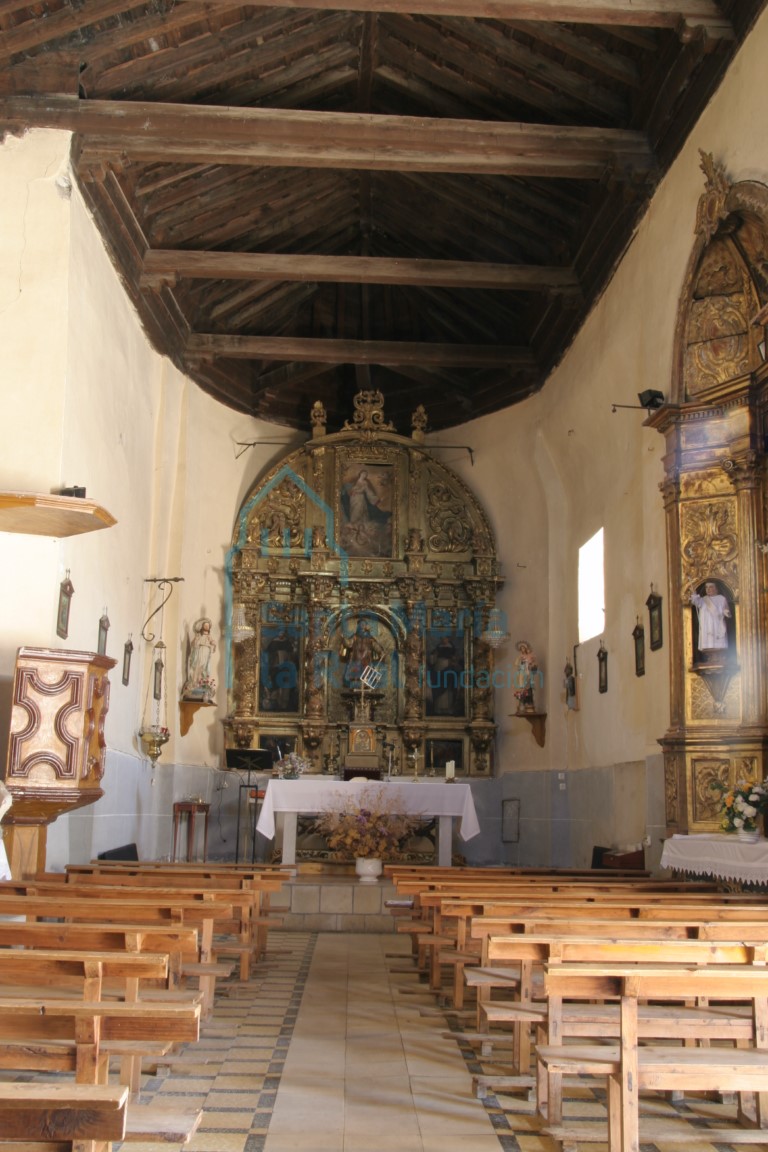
x,y
591,588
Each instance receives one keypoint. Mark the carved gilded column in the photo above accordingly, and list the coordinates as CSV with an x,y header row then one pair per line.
x,y
670,491
746,474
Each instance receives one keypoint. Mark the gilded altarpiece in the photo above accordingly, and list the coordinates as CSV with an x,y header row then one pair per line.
x,y
361,550
714,493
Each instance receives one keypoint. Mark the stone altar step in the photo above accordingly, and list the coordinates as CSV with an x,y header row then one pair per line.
x,y
333,901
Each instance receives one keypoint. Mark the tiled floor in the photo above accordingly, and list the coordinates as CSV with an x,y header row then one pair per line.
x,y
326,1050
335,1045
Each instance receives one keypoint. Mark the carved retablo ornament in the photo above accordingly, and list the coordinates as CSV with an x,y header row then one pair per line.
x,y
715,496
711,209
369,414
381,559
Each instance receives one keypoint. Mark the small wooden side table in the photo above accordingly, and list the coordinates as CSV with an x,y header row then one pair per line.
x,y
190,809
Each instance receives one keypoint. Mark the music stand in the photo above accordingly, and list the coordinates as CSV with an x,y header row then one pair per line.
x,y
248,760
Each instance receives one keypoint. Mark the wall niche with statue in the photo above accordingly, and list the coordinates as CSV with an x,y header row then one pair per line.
x,y
363,577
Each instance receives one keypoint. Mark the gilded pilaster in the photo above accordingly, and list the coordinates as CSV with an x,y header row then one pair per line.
x,y
746,475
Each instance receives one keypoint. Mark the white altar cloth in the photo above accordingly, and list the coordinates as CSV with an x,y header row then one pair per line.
x,y
445,801
718,854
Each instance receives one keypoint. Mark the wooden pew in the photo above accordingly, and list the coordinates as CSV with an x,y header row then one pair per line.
x,y
54,1117
199,877
128,908
79,1035
631,1068
455,947
244,902
530,954
485,979
58,971
178,942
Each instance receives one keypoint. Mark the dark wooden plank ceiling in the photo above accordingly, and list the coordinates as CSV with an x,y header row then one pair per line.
x,y
421,196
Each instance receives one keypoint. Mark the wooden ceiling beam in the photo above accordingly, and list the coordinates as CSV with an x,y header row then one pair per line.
x,y
199,134
31,34
206,346
683,15
164,267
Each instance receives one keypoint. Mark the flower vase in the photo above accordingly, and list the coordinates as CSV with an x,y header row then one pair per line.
x,y
368,869
748,835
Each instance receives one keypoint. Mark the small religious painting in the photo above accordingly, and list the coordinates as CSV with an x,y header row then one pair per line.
x,y
66,589
602,668
279,670
656,637
127,654
638,635
444,674
277,745
366,504
101,647
362,739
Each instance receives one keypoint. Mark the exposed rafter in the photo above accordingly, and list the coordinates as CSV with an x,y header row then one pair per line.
x,y
421,196
166,267
190,134
357,351
677,14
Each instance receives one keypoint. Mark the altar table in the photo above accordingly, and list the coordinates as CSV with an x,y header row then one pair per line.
x,y
718,854
445,801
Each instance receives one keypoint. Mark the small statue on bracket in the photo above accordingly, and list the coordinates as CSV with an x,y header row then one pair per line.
x,y
525,677
199,684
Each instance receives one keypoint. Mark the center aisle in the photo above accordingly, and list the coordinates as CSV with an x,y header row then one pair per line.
x,y
365,1072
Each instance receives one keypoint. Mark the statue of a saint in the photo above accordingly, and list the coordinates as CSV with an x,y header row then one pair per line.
x,y
358,653
199,685
525,677
713,609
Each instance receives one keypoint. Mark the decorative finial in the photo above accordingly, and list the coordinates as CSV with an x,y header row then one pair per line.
x,y
711,209
419,424
369,414
318,418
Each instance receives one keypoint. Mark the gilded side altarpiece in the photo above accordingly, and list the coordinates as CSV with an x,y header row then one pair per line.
x,y
715,493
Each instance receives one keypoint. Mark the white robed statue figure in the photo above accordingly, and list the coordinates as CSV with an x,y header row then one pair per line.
x,y
713,610
199,684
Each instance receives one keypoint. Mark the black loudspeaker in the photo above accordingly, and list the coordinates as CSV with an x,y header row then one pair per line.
x,y
126,852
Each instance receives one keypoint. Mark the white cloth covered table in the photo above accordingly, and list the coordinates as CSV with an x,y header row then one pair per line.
x,y
445,801
718,854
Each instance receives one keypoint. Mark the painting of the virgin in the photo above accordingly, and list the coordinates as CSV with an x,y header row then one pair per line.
x,y
366,509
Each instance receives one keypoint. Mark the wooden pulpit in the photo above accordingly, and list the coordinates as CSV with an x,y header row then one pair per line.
x,y
56,746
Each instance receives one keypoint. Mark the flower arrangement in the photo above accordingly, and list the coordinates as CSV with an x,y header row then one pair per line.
x,y
741,805
366,826
292,766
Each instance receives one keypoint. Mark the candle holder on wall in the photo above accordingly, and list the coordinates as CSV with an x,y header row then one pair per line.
x,y
154,732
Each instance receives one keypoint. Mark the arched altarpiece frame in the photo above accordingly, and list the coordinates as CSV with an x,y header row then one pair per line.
x,y
362,541
714,494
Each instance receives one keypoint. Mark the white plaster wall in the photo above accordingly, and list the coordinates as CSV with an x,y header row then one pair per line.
x,y
161,455
34,242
